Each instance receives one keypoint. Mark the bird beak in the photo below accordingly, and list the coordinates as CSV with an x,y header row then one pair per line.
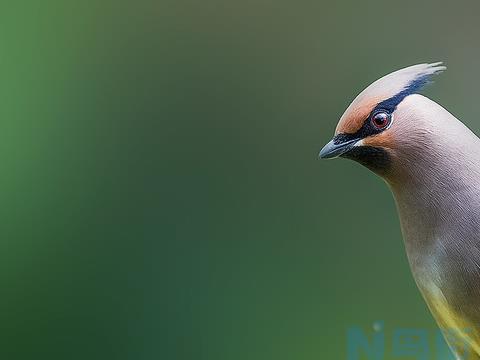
x,y
334,149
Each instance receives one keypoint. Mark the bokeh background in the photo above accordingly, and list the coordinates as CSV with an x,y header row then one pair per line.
x,y
161,196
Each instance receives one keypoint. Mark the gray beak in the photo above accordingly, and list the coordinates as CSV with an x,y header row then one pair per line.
x,y
333,150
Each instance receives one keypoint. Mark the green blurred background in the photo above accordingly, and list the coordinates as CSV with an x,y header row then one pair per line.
x,y
161,196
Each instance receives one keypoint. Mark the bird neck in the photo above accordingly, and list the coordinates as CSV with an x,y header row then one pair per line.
x,y
436,181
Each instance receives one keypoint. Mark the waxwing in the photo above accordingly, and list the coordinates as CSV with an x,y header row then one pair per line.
x,y
431,162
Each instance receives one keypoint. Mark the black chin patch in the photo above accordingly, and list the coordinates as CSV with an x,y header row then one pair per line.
x,y
376,159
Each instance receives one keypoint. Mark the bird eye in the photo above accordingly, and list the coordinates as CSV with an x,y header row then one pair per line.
x,y
380,120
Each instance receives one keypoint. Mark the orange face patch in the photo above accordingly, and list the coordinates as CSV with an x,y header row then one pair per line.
x,y
356,114
384,139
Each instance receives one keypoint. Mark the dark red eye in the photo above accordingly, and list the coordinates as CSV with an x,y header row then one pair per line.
x,y
381,120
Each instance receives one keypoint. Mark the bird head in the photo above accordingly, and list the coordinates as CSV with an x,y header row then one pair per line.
x,y
381,121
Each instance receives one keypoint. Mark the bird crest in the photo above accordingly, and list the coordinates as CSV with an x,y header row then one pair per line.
x,y
386,93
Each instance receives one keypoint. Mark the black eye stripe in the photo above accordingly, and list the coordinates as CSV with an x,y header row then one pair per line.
x,y
388,106
366,130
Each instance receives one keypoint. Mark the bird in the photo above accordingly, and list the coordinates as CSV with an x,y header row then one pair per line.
x,y
430,161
